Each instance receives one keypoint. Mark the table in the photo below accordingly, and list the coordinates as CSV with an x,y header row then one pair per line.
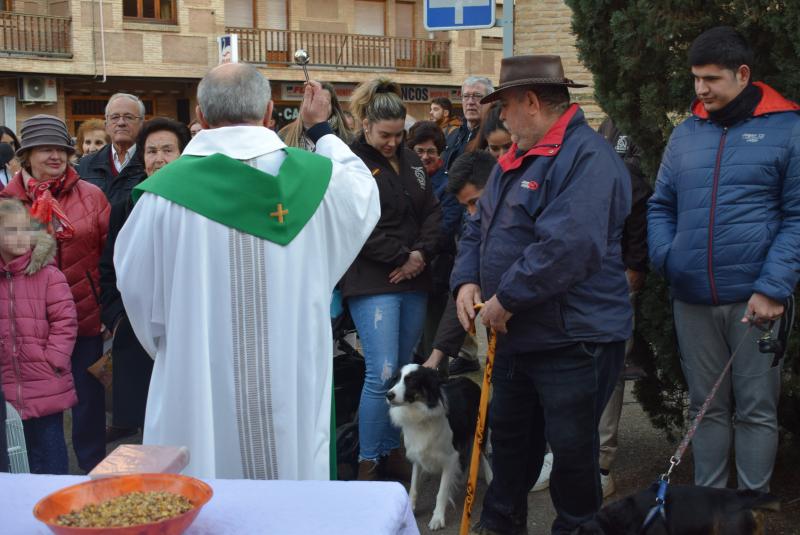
x,y
247,507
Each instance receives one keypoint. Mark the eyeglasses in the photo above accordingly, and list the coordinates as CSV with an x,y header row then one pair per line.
x,y
472,96
128,118
430,152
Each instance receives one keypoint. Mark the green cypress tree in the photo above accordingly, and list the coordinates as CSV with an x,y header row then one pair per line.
x,y
637,53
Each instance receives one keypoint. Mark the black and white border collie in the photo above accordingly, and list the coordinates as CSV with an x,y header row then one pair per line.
x,y
438,420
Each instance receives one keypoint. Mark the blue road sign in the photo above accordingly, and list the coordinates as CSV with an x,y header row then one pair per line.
x,y
458,14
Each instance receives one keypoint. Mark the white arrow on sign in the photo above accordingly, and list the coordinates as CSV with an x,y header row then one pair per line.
x,y
459,6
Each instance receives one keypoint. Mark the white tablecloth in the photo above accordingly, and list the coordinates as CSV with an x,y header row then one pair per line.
x,y
247,507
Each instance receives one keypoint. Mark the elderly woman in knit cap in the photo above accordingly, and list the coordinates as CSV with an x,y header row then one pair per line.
x,y
76,214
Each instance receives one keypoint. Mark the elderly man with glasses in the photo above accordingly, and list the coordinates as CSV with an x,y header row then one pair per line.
x,y
472,91
114,168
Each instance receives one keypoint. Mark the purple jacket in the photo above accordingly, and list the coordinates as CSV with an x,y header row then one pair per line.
x,y
38,326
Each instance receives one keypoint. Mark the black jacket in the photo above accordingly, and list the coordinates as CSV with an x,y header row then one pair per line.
x,y
634,234
97,169
132,365
410,221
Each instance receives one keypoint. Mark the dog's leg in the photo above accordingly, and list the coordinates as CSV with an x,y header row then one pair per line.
x,y
449,475
488,475
413,489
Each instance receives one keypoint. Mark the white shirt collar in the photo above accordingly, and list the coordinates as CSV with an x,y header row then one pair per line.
x,y
120,165
237,142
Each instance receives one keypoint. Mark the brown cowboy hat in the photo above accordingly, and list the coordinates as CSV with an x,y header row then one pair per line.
x,y
522,71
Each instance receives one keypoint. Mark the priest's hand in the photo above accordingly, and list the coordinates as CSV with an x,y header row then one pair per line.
x,y
413,267
494,315
316,106
469,295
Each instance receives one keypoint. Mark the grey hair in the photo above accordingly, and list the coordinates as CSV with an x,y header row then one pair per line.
x,y
137,100
233,94
553,97
472,80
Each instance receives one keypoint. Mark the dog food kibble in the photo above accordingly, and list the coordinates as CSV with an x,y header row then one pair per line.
x,y
127,510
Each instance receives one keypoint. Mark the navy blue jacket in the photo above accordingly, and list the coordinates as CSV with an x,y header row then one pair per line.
x,y
547,241
724,221
452,215
457,143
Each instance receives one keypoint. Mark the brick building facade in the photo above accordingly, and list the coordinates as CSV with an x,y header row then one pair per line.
x,y
544,27
66,57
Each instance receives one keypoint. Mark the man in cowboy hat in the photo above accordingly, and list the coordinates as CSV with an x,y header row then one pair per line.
x,y
544,253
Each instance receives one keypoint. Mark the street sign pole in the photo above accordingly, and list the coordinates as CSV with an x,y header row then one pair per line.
x,y
508,28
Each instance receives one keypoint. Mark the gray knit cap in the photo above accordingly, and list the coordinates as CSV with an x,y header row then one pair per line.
x,y
44,130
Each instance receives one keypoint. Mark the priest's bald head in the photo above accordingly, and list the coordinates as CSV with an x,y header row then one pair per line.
x,y
233,94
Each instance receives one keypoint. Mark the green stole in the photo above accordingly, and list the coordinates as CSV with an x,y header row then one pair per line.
x,y
274,208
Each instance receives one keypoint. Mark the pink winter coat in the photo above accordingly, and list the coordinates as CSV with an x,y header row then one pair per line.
x,y
38,326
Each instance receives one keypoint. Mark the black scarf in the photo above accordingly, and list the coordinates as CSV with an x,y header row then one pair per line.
x,y
738,109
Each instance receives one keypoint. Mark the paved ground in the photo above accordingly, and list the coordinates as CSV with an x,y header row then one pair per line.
x,y
643,454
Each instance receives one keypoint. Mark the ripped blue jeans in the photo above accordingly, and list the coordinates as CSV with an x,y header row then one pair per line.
x,y
389,326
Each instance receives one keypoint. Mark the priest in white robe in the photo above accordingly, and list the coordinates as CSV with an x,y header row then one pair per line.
x,y
226,268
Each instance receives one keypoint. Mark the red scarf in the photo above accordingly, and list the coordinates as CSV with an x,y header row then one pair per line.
x,y
43,194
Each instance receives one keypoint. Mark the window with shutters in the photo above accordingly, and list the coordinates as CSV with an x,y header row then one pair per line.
x,y
371,19
405,18
163,11
239,13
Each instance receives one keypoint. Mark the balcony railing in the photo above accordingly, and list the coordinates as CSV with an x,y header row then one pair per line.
x,y
343,50
35,35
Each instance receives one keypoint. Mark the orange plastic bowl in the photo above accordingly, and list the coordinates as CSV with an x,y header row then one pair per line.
x,y
71,498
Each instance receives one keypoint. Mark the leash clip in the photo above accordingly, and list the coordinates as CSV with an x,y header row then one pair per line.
x,y
658,510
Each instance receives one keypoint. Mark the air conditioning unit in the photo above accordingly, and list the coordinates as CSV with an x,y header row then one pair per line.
x,y
38,89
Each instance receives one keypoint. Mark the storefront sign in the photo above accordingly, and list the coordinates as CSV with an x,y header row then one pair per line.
x,y
411,93
421,93
294,91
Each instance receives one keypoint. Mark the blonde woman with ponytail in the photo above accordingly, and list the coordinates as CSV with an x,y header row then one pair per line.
x,y
294,135
387,286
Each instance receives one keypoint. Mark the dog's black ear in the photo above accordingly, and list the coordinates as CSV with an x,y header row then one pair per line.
x,y
395,377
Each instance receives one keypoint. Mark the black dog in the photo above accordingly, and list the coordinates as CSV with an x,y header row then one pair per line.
x,y
689,511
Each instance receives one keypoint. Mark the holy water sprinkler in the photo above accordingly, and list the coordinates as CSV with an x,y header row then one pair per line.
x,y
301,58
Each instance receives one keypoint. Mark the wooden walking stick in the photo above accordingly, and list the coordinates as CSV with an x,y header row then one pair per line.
x,y
480,429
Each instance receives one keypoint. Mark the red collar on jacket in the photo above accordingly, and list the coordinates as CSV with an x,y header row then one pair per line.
x,y
771,102
549,145
16,187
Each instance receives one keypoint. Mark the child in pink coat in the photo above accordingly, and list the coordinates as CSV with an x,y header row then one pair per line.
x,y
38,326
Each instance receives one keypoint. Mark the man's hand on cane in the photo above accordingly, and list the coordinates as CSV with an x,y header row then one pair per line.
x,y
493,315
316,106
468,296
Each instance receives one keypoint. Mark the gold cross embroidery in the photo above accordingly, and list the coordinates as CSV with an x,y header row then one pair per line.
x,y
279,213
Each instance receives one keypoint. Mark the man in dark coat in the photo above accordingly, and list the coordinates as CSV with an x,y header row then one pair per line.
x,y
545,253
473,90
113,168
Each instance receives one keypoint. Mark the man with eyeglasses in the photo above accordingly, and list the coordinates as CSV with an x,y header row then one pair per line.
x,y
472,91
114,168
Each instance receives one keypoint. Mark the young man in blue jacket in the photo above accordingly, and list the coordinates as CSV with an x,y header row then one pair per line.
x,y
544,250
724,229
